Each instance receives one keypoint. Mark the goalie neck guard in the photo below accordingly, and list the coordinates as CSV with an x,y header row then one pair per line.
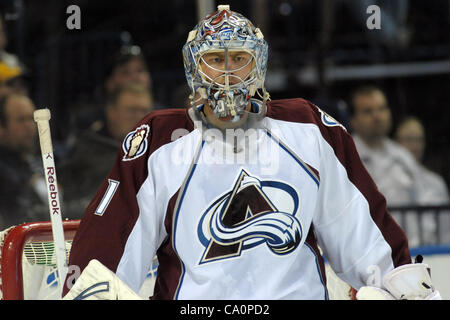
x,y
226,33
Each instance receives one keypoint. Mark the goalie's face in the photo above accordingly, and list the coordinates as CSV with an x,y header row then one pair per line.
x,y
227,73
222,69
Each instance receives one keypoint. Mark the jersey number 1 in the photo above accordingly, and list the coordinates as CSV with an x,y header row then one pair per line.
x,y
110,191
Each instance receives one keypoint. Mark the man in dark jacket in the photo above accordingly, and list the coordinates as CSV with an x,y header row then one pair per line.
x,y
23,196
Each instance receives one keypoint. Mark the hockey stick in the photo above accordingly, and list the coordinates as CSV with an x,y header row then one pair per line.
x,y
42,117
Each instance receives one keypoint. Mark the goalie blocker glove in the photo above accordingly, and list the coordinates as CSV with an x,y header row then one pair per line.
x,y
407,282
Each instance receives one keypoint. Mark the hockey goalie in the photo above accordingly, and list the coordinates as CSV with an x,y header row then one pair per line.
x,y
236,194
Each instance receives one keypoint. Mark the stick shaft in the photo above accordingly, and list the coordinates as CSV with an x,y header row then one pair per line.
x,y
42,117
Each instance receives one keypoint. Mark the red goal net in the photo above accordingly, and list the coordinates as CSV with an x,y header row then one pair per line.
x,y
28,263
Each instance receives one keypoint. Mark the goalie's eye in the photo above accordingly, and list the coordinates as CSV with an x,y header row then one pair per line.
x,y
236,60
214,59
241,59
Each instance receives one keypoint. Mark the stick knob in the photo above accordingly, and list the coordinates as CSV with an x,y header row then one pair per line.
x,y
42,115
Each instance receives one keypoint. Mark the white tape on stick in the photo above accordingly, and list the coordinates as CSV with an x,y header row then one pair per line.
x,y
42,118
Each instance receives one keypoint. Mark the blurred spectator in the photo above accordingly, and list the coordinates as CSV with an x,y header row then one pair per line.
x,y
392,167
23,196
410,133
96,149
128,65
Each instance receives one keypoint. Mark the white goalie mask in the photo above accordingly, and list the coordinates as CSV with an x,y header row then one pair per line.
x,y
225,61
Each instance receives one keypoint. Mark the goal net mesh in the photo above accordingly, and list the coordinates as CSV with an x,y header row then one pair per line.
x,y
28,261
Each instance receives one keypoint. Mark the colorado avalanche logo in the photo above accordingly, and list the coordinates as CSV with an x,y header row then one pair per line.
x,y
328,120
246,217
135,143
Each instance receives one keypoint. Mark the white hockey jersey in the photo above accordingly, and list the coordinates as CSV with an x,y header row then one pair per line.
x,y
240,214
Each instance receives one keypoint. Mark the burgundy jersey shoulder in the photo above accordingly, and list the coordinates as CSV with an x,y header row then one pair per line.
x,y
292,110
165,121
159,127
178,115
300,110
303,111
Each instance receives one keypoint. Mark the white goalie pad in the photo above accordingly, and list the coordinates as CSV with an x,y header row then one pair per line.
x,y
97,282
373,293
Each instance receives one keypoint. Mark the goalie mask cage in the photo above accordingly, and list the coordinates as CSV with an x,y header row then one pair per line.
x,y
28,262
28,265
